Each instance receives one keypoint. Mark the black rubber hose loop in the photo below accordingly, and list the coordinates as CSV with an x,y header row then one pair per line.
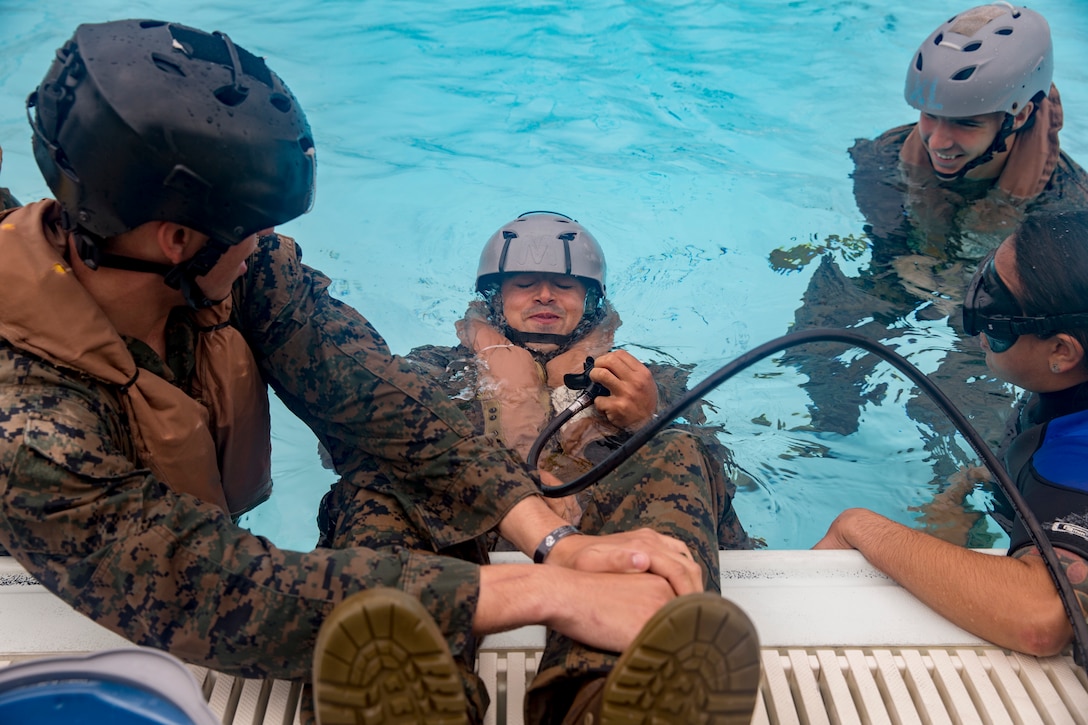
x,y
641,436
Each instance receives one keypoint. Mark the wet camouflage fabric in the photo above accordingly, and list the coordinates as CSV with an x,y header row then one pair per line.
x,y
358,516
960,233
916,273
673,484
168,571
7,201
455,370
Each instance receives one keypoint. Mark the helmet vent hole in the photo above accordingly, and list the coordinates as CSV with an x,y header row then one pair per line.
x,y
166,65
231,95
965,73
1003,31
918,62
972,47
280,102
938,39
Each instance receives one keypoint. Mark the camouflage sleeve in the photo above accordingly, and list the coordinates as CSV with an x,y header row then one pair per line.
x,y
432,360
370,409
167,570
7,201
1067,188
878,188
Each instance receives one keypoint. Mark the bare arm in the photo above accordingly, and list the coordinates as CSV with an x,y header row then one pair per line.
x,y
628,552
601,610
1010,601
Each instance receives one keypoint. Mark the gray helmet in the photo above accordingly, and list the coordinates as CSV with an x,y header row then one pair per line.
x,y
142,120
541,241
987,59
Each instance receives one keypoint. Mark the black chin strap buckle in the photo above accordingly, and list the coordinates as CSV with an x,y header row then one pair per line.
x,y
581,381
87,250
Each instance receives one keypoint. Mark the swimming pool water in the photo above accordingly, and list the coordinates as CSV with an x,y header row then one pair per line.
x,y
692,138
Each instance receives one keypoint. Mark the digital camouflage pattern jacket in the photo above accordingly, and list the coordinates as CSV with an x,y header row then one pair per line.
x,y
167,570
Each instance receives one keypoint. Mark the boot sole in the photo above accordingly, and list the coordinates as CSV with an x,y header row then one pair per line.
x,y
379,658
695,661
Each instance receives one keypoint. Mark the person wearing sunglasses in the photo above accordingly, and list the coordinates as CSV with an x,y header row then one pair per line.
x,y
1028,304
937,195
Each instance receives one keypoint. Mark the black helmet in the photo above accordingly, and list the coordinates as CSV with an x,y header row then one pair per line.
x,y
544,241
142,120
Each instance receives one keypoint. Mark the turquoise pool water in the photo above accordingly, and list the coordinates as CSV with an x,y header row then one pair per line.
x,y
693,139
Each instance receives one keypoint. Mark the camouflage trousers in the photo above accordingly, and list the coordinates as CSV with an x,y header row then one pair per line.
x,y
669,485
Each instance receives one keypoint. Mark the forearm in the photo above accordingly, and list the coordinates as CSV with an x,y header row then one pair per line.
x,y
528,522
369,408
1011,602
176,574
597,609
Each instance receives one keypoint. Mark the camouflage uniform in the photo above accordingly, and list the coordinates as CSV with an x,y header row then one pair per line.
x,y
7,201
673,484
92,524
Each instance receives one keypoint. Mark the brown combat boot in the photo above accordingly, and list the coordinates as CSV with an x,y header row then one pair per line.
x,y
380,658
695,661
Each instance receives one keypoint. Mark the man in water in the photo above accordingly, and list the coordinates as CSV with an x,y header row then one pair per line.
x,y
146,309
541,315
937,195
1028,303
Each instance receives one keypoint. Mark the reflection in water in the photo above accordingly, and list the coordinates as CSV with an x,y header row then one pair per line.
x,y
695,138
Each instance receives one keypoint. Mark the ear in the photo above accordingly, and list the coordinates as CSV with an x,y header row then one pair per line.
x,y
176,242
1022,117
1066,353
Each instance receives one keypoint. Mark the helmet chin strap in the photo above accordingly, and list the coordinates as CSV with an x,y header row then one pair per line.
x,y
545,338
180,276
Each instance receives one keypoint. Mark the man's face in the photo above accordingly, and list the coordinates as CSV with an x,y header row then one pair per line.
x,y
953,142
543,302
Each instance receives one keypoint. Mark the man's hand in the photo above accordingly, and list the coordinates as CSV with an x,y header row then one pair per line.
x,y
642,550
601,610
633,399
835,538
608,610
630,552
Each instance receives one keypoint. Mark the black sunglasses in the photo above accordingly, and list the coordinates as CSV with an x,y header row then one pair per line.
x,y
991,309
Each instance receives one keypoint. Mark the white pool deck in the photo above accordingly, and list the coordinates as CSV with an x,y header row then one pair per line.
x,y
841,643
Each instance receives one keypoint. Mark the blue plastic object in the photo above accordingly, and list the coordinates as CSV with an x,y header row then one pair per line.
x,y
130,686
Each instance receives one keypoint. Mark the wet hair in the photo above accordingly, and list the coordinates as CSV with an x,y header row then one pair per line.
x,y
1052,266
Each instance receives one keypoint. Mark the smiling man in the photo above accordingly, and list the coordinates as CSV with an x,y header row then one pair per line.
x,y
542,312
985,149
937,195
145,314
